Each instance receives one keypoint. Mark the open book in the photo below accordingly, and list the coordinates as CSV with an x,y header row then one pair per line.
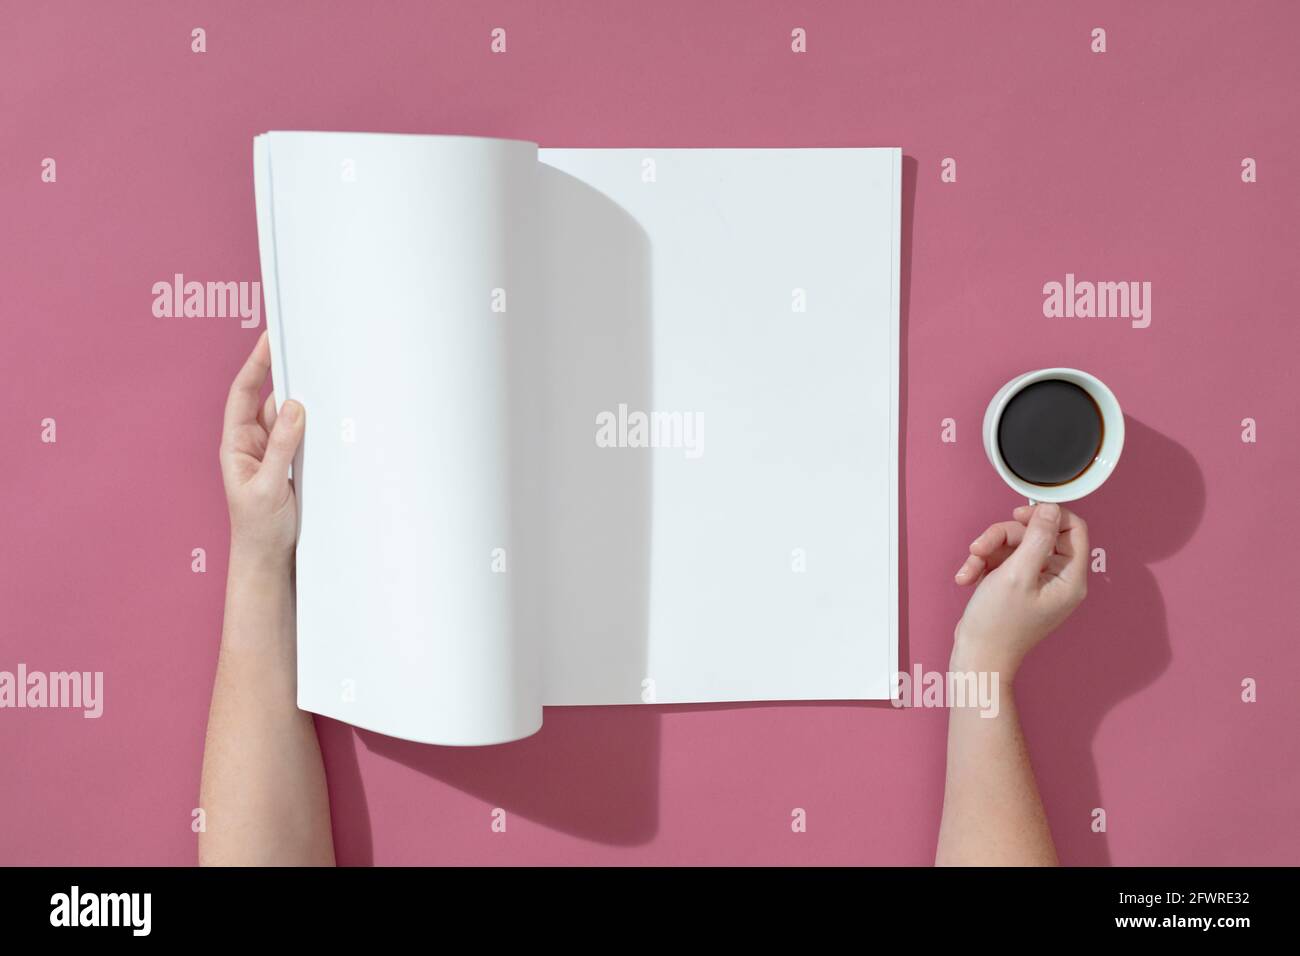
x,y
584,426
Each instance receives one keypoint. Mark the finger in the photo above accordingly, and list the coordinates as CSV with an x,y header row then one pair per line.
x,y
1056,564
266,417
283,443
997,536
1069,522
970,570
1038,542
1025,512
1073,540
997,543
1074,544
998,558
246,391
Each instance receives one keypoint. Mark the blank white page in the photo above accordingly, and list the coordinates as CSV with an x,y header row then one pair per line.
x,y
756,290
380,253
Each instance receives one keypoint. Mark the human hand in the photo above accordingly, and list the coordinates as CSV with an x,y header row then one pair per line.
x,y
1029,574
257,448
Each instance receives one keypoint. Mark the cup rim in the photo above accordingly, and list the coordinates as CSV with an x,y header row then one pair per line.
x,y
1107,456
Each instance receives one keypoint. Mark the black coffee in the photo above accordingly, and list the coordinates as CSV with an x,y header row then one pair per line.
x,y
1050,432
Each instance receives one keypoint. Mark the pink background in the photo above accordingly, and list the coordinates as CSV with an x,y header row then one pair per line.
x,y
1118,166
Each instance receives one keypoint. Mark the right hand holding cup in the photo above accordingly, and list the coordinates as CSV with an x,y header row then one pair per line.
x,y
1029,574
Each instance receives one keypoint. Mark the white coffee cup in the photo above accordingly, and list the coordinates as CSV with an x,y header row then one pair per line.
x,y
1112,441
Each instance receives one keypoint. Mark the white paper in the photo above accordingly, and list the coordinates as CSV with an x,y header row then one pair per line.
x,y
758,563
384,253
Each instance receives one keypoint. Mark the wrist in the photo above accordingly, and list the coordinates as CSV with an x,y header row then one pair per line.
x,y
259,615
260,559
971,657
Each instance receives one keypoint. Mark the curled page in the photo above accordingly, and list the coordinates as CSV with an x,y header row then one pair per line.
x,y
390,265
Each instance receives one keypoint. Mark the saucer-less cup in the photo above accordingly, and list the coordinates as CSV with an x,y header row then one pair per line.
x,y
1112,442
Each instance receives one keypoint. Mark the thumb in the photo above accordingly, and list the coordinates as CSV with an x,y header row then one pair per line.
x,y
286,436
1038,543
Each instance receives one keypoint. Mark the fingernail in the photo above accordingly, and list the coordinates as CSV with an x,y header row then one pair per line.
x,y
291,411
1050,510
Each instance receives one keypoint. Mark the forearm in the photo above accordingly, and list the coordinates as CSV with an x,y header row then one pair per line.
x,y
263,788
992,813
